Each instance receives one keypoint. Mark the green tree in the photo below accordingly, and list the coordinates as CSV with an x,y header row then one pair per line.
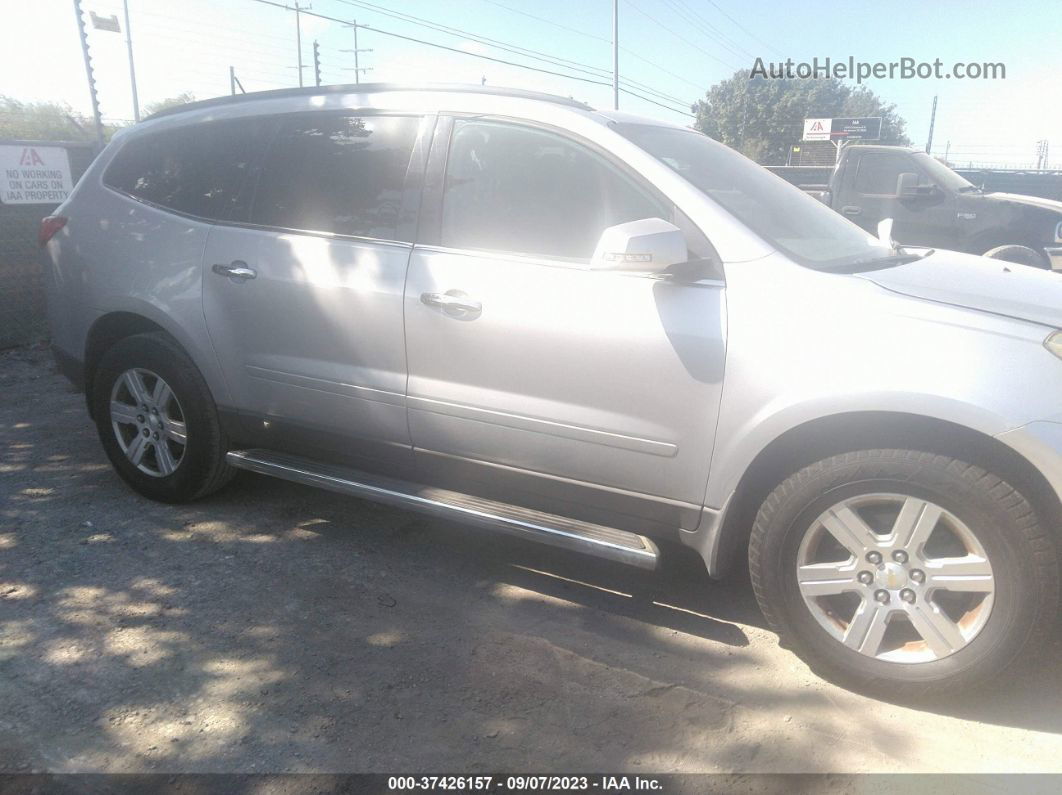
x,y
169,102
762,117
46,121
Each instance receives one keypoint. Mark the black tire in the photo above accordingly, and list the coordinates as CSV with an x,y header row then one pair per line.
x,y
1023,557
202,468
1021,255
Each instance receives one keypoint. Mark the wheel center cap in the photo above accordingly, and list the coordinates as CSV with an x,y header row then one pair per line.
x,y
891,576
154,421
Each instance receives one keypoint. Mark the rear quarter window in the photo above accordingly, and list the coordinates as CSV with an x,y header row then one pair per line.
x,y
205,170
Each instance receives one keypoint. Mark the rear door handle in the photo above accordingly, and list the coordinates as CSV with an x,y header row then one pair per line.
x,y
851,209
453,302
237,270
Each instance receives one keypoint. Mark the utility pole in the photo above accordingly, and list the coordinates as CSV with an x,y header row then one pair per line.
x,y
932,121
357,66
316,64
298,35
132,68
88,73
234,82
615,54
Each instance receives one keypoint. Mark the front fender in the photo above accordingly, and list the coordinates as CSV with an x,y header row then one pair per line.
x,y
806,345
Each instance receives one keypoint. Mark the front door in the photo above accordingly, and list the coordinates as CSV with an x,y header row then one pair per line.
x,y
924,220
304,303
520,357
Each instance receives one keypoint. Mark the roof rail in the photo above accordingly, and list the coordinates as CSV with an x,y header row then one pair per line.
x,y
370,88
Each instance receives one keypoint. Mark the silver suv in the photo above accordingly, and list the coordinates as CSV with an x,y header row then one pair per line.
x,y
584,328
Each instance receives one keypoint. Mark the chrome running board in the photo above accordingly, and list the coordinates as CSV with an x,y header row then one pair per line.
x,y
558,531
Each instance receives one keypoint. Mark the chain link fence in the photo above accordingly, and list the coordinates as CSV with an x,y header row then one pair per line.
x,y
22,311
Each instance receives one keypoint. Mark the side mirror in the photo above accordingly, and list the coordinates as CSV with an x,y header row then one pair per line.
x,y
907,185
646,246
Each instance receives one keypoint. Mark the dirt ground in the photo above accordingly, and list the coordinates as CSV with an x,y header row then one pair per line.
x,y
275,628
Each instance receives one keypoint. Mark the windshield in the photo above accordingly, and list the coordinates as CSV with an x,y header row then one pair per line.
x,y
783,215
941,174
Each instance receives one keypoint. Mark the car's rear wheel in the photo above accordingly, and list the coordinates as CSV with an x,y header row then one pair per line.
x,y
904,573
157,420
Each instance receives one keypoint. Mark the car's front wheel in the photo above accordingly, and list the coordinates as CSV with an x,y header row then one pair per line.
x,y
157,420
1022,255
904,573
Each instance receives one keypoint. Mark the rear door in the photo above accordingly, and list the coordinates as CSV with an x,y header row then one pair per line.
x,y
523,360
303,299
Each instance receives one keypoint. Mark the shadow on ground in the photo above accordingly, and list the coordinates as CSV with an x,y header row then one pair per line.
x,y
277,628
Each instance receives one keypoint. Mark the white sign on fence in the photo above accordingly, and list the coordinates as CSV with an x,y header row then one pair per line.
x,y
817,129
34,174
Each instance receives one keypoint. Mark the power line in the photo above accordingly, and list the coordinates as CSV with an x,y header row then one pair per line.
x,y
554,60
749,33
688,16
549,21
169,20
628,51
475,55
680,37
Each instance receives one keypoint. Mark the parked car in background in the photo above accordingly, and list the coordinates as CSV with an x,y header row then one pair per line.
x,y
933,206
583,328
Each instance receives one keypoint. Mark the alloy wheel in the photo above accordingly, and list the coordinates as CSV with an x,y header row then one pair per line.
x,y
148,422
895,577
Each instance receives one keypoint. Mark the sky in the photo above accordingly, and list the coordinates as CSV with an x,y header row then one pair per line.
x,y
672,51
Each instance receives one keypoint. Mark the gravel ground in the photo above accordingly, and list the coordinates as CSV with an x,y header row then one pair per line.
x,y
274,628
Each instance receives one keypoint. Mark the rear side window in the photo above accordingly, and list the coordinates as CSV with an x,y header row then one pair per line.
x,y
530,191
337,173
878,173
203,170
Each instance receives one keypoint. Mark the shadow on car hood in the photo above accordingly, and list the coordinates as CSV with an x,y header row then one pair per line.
x,y
988,285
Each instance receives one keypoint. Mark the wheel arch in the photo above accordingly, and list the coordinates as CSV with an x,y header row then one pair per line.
x,y
820,438
1004,236
115,325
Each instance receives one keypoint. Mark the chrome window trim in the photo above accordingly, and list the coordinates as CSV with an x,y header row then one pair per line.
x,y
316,233
261,227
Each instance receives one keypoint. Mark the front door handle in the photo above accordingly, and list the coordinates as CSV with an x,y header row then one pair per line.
x,y
237,270
851,209
453,302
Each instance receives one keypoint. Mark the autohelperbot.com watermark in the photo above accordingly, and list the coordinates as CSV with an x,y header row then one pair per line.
x,y
903,69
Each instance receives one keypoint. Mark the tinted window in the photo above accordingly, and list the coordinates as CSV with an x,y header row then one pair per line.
x,y
337,173
940,174
878,173
201,169
517,189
